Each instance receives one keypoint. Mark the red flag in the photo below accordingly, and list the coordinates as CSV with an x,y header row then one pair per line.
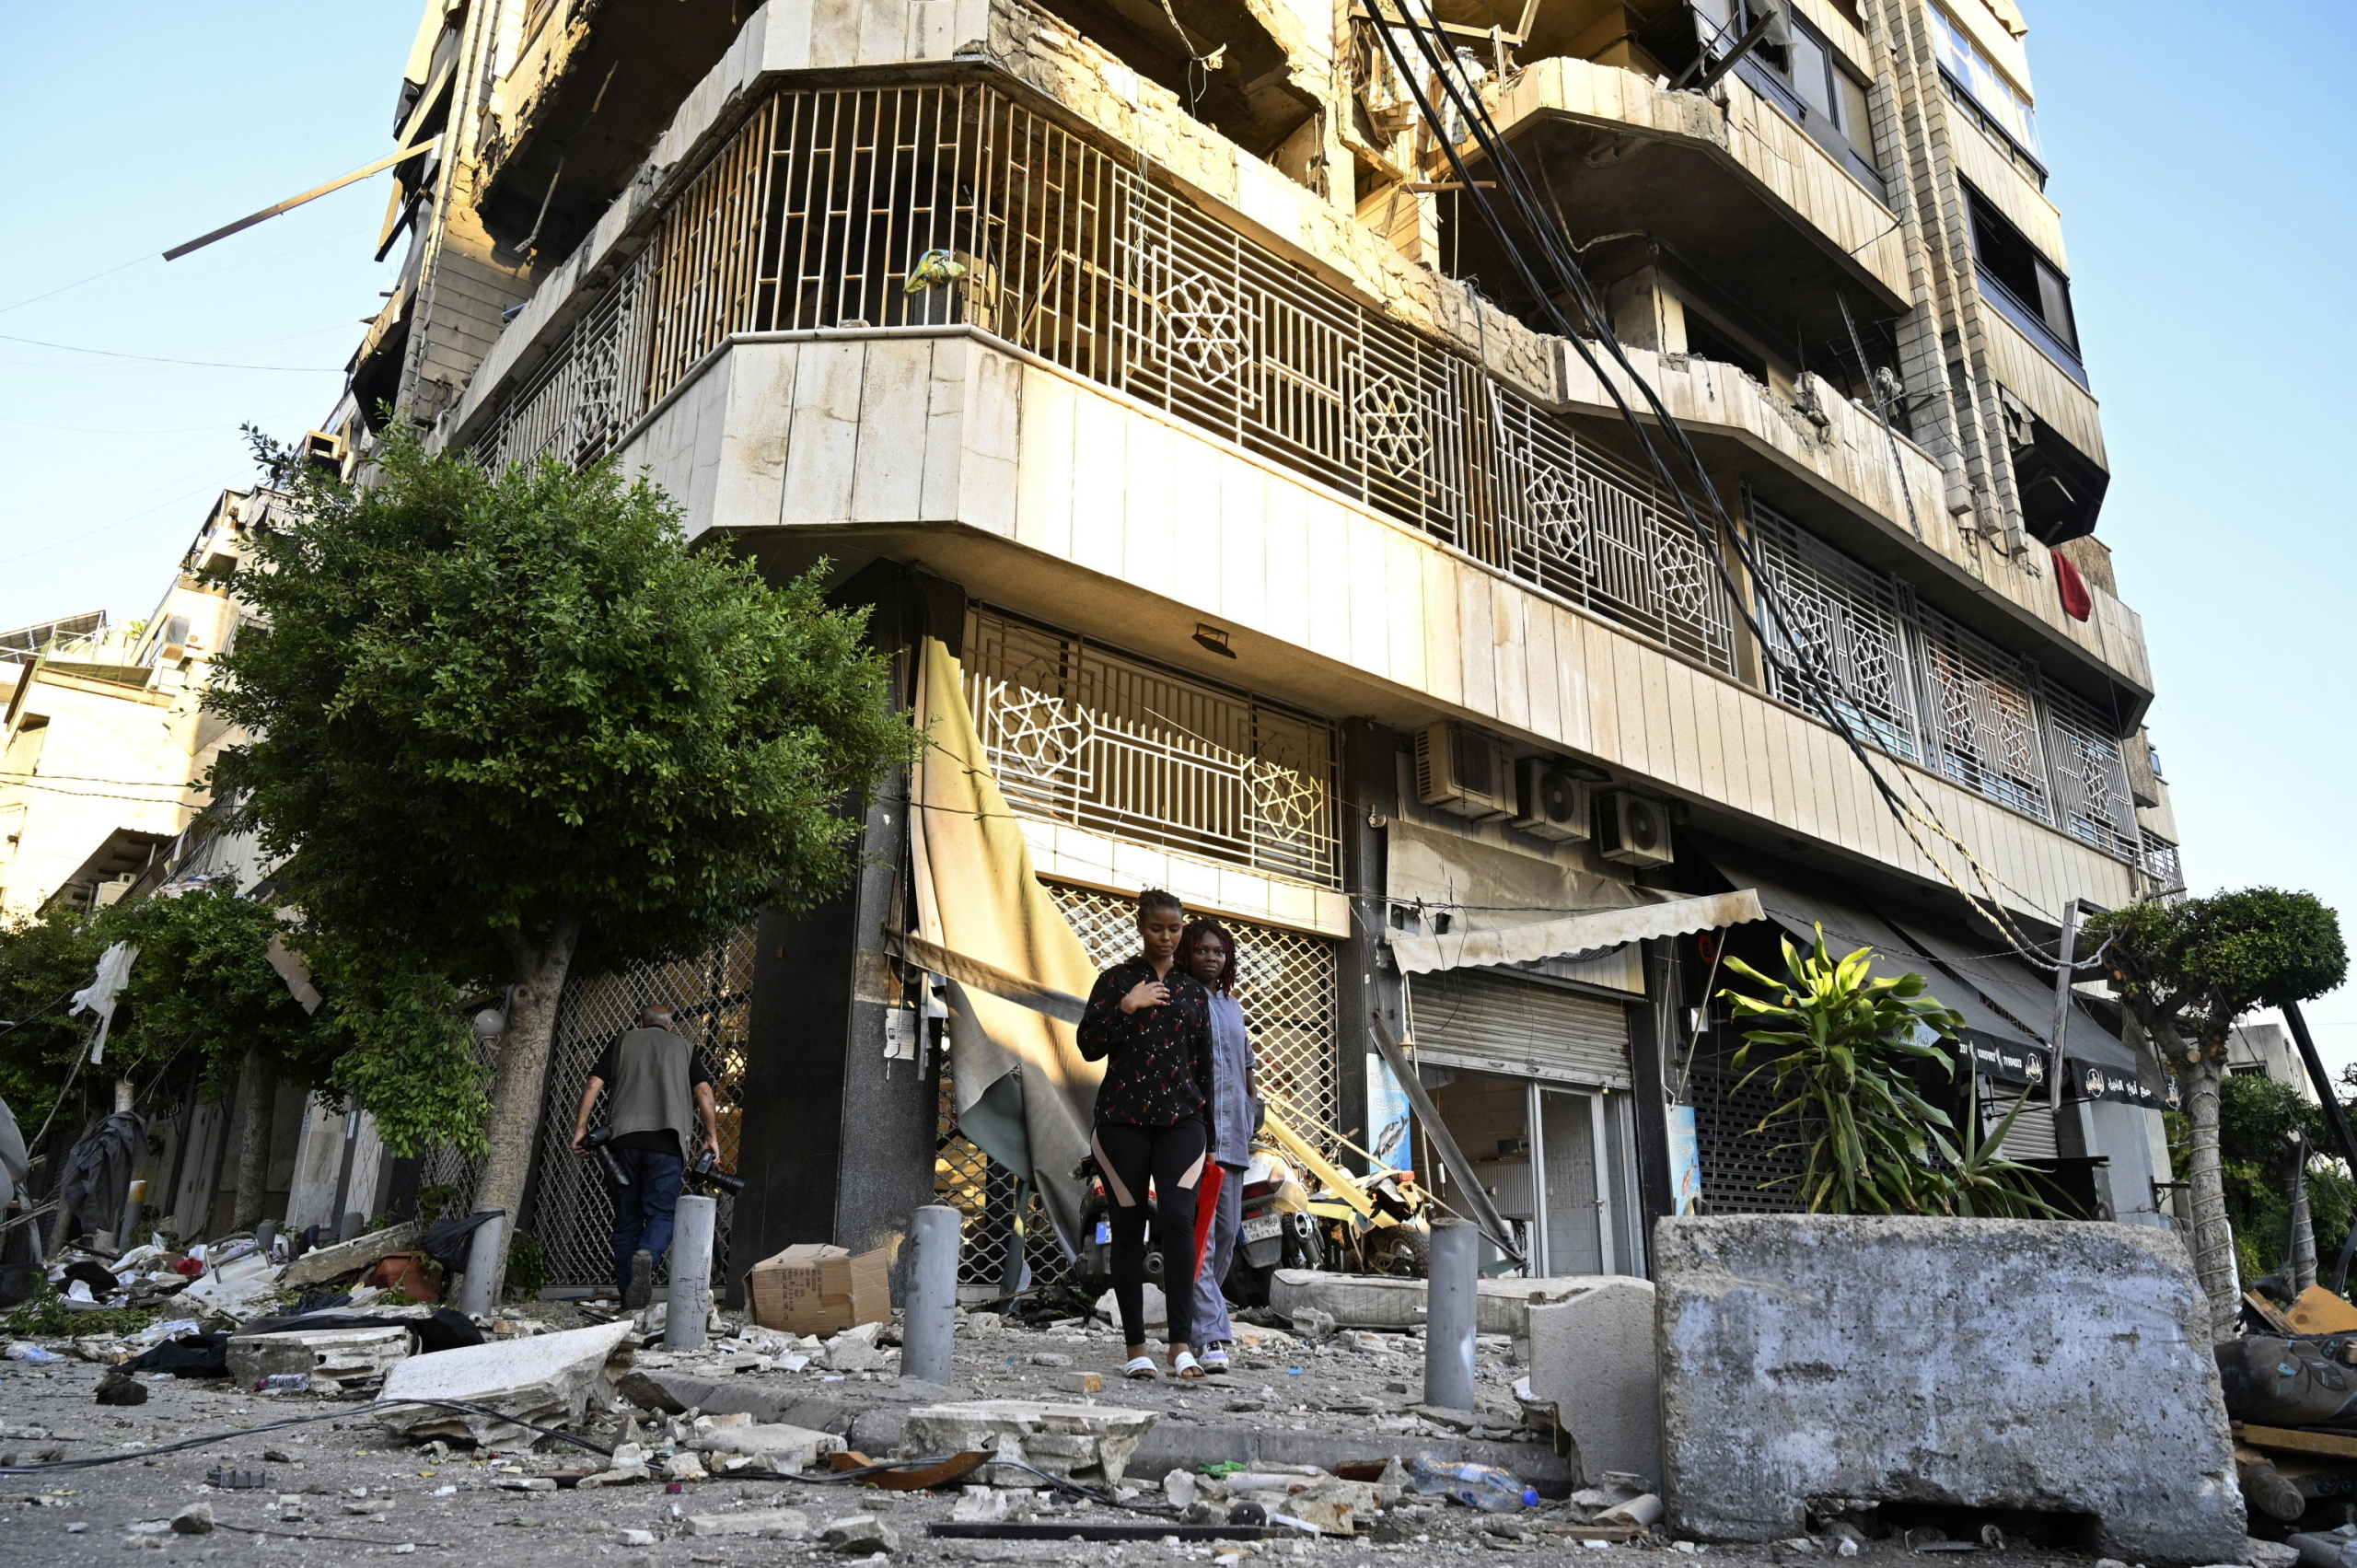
x,y
2077,602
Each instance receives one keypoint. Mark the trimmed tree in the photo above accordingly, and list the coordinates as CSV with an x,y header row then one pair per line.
x,y
514,727
2186,972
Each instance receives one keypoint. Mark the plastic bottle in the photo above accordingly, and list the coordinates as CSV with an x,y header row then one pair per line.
x,y
1485,1487
284,1383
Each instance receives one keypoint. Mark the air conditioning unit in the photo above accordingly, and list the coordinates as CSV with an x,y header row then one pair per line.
x,y
1633,828
1462,770
1550,802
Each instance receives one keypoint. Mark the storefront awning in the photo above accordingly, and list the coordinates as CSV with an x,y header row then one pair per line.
x,y
2008,1010
1419,954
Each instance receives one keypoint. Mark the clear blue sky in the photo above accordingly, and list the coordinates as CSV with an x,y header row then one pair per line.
x,y
2207,211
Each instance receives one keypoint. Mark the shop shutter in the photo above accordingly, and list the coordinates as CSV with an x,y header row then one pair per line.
x,y
1487,1022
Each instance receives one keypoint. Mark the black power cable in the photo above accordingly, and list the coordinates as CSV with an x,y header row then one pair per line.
x,y
1515,182
123,1456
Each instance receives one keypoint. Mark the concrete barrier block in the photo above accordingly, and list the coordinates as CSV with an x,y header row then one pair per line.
x,y
1592,1357
2051,1367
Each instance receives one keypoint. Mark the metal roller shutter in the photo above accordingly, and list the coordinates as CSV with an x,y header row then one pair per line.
x,y
1488,1022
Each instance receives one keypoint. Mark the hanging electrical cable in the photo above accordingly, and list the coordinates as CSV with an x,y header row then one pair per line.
x,y
1551,243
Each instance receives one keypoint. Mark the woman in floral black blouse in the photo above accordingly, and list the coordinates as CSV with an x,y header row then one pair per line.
x,y
1149,1021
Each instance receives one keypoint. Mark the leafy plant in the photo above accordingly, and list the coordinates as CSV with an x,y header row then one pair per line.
x,y
1844,1047
528,1266
46,1317
44,959
2186,972
514,727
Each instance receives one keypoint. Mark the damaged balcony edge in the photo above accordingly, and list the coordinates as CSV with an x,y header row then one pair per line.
x,y
1924,777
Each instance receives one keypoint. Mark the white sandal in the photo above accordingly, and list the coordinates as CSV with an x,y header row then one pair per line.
x,y
1184,1365
1140,1367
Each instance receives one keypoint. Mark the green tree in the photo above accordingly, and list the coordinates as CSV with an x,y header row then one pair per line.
x,y
1846,1047
203,988
2260,1124
2186,972
509,727
44,959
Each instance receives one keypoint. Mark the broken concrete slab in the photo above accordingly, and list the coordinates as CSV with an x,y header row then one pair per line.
x,y
2053,1368
770,1445
860,1533
549,1378
1379,1301
1060,1439
773,1523
333,1357
1592,1358
321,1264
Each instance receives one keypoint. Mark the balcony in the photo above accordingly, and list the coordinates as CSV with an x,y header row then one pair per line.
x,y
1741,199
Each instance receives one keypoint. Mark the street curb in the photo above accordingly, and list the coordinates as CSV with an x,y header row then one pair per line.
x,y
872,1423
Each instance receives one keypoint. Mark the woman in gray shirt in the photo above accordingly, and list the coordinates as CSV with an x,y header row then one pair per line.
x,y
1209,952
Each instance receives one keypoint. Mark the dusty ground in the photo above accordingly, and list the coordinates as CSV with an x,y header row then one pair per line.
x,y
339,1490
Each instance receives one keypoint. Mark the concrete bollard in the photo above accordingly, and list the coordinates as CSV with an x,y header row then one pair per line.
x,y
687,1321
478,1286
1452,1309
929,1321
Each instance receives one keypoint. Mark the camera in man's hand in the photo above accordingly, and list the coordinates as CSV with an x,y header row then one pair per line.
x,y
705,1172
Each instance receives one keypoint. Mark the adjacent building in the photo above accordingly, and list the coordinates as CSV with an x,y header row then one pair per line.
x,y
1155,365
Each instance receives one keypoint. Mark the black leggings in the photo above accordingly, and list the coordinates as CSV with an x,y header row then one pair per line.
x,y
1173,1157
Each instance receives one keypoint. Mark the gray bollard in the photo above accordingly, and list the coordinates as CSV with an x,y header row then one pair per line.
x,y
135,1208
1452,1313
478,1286
687,1321
929,1321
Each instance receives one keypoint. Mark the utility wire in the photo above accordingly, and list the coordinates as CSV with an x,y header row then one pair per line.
x,y
1515,182
162,359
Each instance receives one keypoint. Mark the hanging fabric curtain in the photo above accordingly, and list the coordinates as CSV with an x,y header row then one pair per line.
x,y
1021,1090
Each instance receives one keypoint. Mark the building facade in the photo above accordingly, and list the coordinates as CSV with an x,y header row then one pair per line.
x,y
1163,368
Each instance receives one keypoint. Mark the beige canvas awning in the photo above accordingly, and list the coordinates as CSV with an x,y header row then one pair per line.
x,y
1571,934
1022,1091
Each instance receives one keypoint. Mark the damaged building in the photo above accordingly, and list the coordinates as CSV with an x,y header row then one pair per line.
x,y
1244,522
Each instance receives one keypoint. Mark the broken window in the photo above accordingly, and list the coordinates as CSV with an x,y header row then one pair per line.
x,y
1705,340
1794,67
2024,278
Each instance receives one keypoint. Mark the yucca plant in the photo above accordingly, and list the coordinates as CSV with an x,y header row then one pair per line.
x,y
1838,1045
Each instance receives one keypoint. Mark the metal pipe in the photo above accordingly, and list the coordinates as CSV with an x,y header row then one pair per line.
x,y
2064,975
478,1286
687,1319
1452,1309
2333,1114
929,1323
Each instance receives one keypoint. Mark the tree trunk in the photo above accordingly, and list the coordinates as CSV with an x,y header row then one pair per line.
x,y
2213,1238
257,1086
520,1079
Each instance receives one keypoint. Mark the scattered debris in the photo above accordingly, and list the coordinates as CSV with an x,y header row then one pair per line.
x,y
550,1378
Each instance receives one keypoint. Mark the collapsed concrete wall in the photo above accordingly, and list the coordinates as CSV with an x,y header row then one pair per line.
x,y
2056,1368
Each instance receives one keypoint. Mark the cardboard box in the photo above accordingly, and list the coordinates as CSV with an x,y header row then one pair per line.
x,y
817,1289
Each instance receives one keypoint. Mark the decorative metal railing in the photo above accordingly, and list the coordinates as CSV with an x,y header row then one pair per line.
x,y
953,203
949,203
1923,688
1077,733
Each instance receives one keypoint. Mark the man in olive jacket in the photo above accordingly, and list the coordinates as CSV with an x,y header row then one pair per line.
x,y
662,1091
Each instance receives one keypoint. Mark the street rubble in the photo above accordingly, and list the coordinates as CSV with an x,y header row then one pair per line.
x,y
764,1445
